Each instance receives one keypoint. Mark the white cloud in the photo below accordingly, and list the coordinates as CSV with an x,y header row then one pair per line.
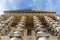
x,y
15,3
36,4
49,5
2,6
57,5
12,4
35,0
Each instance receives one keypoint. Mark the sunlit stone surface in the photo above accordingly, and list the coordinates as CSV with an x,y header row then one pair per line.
x,y
29,25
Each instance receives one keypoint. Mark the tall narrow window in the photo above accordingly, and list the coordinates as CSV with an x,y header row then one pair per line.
x,y
29,32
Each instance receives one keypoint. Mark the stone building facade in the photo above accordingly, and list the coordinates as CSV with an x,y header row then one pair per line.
x,y
29,25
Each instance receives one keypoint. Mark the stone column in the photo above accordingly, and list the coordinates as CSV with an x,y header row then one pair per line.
x,y
52,25
17,35
40,31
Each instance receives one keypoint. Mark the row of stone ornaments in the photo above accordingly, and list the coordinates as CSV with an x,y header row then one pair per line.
x,y
2,18
54,26
40,31
17,35
5,25
57,18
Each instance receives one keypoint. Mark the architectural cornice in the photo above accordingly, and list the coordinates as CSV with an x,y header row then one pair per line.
x,y
29,11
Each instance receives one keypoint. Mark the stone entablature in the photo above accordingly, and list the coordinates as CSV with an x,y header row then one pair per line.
x,y
29,12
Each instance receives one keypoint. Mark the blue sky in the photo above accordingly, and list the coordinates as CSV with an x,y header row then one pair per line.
x,y
33,4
